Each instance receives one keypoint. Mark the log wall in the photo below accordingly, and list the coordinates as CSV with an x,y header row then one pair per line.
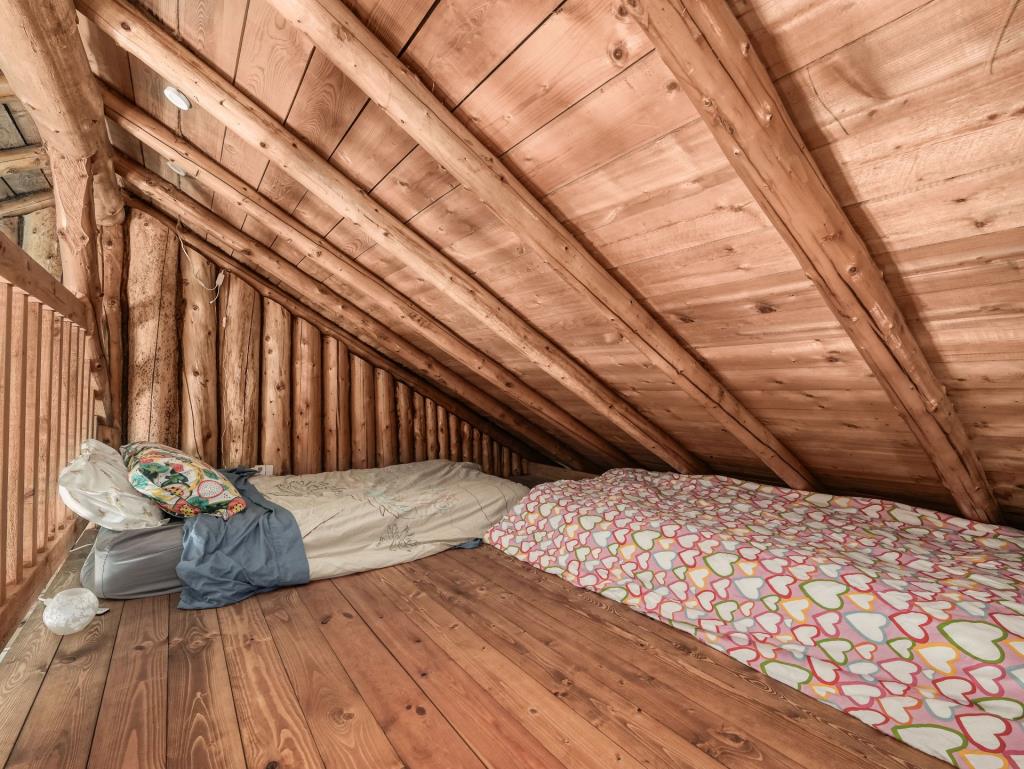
x,y
238,380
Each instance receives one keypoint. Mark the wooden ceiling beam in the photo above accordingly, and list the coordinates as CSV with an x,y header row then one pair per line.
x,y
705,47
31,157
26,204
232,190
370,332
357,52
143,38
43,59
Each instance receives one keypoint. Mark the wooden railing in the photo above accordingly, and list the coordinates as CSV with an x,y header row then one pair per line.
x,y
46,410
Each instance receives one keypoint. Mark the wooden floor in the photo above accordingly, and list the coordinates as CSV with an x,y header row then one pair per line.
x,y
466,659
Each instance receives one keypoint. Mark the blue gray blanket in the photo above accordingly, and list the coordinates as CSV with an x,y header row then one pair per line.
x,y
224,561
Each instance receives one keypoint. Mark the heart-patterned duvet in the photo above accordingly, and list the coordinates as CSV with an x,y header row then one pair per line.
x,y
908,619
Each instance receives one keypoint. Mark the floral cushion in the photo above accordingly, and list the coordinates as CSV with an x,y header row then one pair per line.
x,y
181,484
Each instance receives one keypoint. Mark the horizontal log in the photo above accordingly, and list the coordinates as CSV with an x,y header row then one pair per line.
x,y
26,204
21,271
31,157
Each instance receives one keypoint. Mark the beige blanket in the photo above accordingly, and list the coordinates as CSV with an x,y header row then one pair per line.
x,y
366,519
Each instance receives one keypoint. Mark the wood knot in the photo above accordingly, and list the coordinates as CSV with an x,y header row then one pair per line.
x,y
126,26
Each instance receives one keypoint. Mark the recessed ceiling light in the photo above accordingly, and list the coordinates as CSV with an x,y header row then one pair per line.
x,y
176,169
177,98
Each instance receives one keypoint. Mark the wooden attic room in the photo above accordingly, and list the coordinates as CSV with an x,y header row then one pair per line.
x,y
511,384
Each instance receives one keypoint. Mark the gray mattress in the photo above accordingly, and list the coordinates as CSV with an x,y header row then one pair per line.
x,y
134,564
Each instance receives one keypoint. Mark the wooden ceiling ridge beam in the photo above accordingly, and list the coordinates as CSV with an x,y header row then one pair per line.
x,y
367,62
31,157
147,41
707,50
232,190
370,333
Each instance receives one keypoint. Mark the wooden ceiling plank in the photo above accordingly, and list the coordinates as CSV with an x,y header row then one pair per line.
x,y
370,331
286,229
705,46
411,104
144,39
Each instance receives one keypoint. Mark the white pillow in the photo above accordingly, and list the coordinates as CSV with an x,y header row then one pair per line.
x,y
95,486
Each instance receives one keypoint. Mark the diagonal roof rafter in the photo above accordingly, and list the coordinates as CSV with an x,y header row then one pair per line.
x,y
704,46
141,37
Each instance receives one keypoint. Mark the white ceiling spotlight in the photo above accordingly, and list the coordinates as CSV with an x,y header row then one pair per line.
x,y
177,98
176,169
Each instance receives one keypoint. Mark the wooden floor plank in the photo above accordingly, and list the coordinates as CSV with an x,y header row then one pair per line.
x,y
737,740
422,736
490,730
131,731
202,730
567,735
649,740
717,678
273,727
342,726
31,651
59,728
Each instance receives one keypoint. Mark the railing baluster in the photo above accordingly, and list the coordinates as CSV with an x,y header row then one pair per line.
x,y
53,465
33,349
16,446
6,298
46,374
72,404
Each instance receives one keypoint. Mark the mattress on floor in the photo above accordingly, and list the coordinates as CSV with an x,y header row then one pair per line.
x,y
134,564
908,619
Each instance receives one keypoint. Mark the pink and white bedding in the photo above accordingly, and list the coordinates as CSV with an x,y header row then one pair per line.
x,y
908,619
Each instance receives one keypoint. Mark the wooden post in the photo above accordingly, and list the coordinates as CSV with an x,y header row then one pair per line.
x,y
330,403
443,444
454,451
466,442
405,422
276,412
307,384
704,46
387,435
430,417
200,429
240,321
487,458
45,493
477,450
153,370
364,429
419,427
33,428
344,408
112,253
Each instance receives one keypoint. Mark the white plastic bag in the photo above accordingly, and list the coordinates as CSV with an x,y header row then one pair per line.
x,y
95,486
70,610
